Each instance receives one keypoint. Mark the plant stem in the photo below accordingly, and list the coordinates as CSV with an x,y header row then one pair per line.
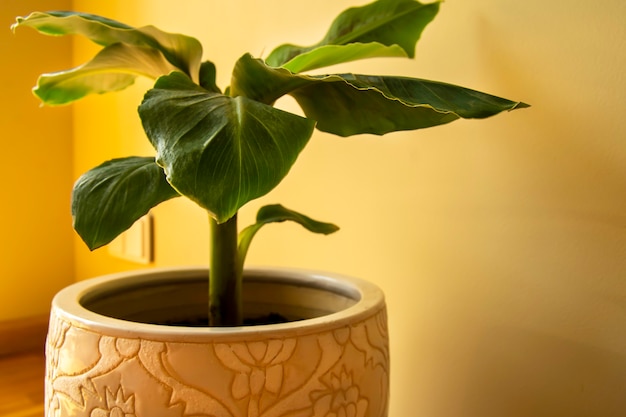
x,y
225,304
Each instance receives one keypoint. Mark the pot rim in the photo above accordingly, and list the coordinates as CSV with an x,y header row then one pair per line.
x,y
369,300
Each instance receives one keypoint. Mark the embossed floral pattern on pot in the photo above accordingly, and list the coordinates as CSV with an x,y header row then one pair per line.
x,y
336,371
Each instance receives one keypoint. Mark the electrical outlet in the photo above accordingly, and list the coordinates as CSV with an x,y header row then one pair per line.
x,y
136,243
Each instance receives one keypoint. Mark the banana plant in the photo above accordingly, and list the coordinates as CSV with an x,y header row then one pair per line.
x,y
224,148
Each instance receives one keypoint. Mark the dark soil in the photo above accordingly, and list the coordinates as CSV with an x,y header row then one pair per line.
x,y
271,318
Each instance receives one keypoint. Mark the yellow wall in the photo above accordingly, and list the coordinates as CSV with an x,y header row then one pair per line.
x,y
36,255
501,244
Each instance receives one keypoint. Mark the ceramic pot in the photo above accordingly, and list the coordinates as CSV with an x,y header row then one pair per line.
x,y
106,358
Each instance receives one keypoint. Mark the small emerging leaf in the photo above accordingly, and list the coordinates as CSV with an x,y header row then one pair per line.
x,y
208,73
108,199
277,214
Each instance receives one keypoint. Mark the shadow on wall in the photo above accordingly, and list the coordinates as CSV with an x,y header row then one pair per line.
x,y
519,373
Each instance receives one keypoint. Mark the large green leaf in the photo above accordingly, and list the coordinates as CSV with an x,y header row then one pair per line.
x,y
275,213
387,22
465,102
108,199
347,104
127,52
220,151
114,68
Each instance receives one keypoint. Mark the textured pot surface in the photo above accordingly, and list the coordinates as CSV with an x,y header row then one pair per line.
x,y
105,358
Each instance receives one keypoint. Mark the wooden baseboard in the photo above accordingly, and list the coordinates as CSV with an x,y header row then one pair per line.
x,y
23,335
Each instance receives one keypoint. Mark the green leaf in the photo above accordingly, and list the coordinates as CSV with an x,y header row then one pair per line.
x,y
277,214
347,104
387,22
328,55
220,151
113,69
252,78
108,199
127,52
208,74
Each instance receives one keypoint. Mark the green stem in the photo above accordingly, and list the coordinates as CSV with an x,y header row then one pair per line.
x,y
225,304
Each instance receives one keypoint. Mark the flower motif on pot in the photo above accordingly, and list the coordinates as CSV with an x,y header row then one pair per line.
x,y
258,365
54,342
341,399
372,339
127,348
116,406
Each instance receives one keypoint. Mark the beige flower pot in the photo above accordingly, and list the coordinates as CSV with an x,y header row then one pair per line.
x,y
104,358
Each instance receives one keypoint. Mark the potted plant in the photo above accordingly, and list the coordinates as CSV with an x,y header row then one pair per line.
x,y
138,353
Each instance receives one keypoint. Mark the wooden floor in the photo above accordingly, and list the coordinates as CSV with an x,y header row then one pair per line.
x,y
21,385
